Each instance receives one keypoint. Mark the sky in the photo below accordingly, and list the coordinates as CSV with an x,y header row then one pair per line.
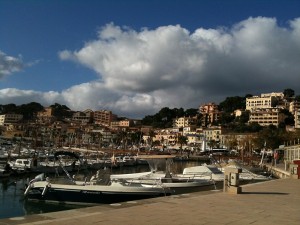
x,y
134,57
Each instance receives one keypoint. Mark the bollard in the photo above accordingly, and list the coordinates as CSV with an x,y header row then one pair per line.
x,y
231,180
294,171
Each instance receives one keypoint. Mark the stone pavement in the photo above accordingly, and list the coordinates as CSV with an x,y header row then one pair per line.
x,y
266,203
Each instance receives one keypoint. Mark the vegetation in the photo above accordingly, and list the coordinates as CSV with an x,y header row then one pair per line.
x,y
27,110
61,111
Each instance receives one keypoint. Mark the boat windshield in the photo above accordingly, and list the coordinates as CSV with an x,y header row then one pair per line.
x,y
215,170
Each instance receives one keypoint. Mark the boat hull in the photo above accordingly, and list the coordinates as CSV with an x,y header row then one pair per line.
x,y
91,194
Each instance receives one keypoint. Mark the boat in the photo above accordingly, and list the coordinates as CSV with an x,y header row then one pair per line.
x,y
21,165
164,177
97,190
217,172
204,171
24,165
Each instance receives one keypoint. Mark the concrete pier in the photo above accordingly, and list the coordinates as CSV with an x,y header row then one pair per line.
x,y
266,203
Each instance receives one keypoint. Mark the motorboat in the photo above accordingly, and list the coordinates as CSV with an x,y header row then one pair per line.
x,y
98,189
164,177
247,175
217,172
21,165
205,171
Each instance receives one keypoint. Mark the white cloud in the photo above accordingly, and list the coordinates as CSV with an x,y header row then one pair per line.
x,y
12,95
142,71
9,64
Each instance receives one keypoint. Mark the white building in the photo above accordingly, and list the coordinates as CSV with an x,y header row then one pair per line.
x,y
8,119
267,117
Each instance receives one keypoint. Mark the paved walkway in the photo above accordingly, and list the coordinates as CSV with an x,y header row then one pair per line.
x,y
267,203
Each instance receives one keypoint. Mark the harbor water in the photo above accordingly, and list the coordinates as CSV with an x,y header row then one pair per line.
x,y
13,204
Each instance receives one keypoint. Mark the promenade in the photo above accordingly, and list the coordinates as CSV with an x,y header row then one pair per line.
x,y
266,203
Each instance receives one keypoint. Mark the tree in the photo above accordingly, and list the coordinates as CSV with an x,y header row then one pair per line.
x,y
271,135
61,111
232,103
289,117
30,110
288,93
191,112
182,140
9,108
297,98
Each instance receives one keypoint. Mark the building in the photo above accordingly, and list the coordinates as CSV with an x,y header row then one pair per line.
x,y
121,124
238,141
103,117
212,135
184,122
256,102
210,113
297,115
266,109
46,115
273,94
8,119
266,117
83,117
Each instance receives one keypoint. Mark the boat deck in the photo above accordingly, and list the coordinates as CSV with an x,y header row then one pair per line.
x,y
270,202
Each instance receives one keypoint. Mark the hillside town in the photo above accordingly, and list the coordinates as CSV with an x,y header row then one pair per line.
x,y
103,129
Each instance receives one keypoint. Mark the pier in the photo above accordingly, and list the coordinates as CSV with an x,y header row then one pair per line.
x,y
266,203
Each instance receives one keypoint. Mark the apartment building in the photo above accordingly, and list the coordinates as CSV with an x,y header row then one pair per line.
x,y
121,124
46,115
184,122
265,109
266,117
210,113
256,102
212,133
167,136
103,117
8,119
83,117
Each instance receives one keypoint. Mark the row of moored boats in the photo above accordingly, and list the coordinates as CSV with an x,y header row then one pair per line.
x,y
104,187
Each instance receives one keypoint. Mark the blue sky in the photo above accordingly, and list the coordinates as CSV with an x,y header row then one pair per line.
x,y
134,57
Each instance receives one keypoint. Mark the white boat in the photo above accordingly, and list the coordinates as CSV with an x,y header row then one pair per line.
x,y
163,178
217,173
96,190
204,171
21,165
247,175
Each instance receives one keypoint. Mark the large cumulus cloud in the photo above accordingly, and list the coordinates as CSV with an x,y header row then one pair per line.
x,y
143,71
170,66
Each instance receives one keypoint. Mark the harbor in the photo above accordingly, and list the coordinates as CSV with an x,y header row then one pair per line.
x,y
270,202
13,202
129,178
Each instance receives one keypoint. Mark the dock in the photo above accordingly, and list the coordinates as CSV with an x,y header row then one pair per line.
x,y
265,203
